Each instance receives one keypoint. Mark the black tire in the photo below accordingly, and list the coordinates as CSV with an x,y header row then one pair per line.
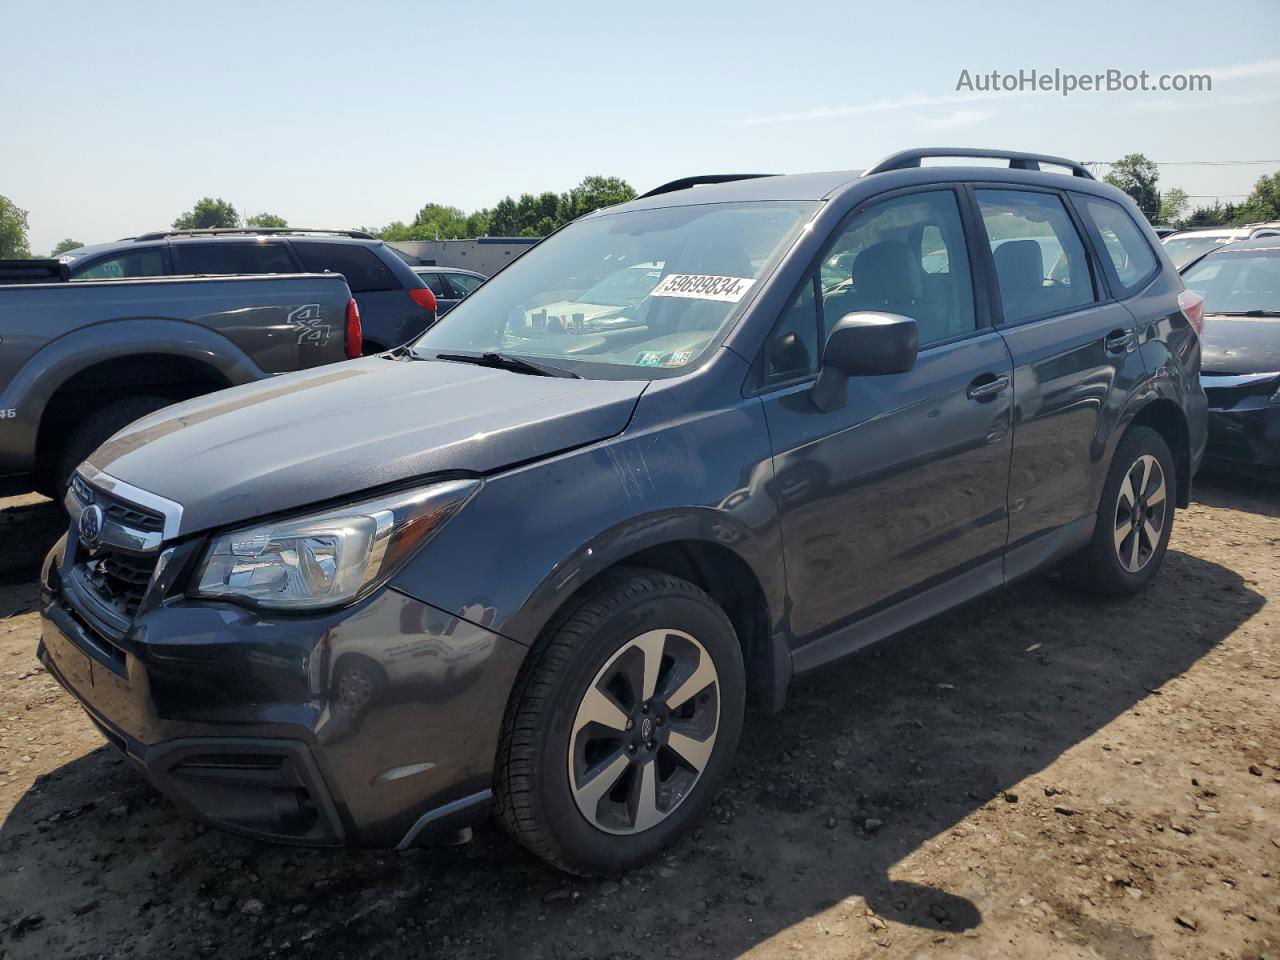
x,y
534,799
1099,567
94,429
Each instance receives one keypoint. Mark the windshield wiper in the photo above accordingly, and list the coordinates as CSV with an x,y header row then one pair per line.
x,y
1245,313
505,361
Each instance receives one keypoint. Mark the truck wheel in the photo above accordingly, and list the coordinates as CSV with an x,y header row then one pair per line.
x,y
1135,518
622,724
94,429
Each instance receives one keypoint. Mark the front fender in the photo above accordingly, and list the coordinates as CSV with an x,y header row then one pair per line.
x,y
534,535
29,392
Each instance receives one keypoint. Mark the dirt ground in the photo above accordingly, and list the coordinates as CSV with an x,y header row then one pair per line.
x,y
1037,775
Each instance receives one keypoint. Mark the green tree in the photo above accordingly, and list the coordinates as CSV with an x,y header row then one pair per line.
x,y
1264,202
13,231
1138,177
265,220
503,219
65,245
1173,204
1218,215
593,193
207,213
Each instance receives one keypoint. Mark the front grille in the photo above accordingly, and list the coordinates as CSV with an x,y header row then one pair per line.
x,y
114,508
119,579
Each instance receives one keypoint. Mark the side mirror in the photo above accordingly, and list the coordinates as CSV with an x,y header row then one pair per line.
x,y
863,344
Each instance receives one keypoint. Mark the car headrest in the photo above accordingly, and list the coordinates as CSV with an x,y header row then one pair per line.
x,y
886,272
1019,265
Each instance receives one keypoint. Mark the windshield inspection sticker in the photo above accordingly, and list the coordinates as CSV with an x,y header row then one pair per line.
x,y
698,286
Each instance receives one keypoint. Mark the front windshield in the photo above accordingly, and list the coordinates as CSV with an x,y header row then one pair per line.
x,y
1182,250
1238,282
633,294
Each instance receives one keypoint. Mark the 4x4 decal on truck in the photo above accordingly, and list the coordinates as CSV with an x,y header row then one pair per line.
x,y
310,325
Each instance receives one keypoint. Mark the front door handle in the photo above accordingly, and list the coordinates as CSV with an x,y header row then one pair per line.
x,y
1118,341
986,387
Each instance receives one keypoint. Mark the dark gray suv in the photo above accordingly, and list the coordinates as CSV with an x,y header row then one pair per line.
x,y
395,304
538,569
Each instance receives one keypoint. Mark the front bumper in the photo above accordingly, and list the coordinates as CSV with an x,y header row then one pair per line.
x,y
370,726
1244,424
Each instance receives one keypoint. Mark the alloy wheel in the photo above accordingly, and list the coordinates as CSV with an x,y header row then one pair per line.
x,y
644,732
1140,513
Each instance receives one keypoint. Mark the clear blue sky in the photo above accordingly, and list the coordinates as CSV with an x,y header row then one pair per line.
x,y
117,117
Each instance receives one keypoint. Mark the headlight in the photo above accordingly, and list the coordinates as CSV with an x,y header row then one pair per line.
x,y
330,558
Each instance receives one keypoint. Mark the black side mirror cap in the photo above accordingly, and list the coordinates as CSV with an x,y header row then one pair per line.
x,y
863,344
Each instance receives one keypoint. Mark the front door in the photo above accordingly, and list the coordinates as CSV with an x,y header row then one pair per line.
x,y
905,486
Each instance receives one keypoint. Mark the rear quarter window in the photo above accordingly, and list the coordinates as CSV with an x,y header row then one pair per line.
x,y
136,263
1124,248
365,273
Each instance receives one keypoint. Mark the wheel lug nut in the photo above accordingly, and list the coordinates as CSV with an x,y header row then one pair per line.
x,y
659,721
630,724
644,708
631,748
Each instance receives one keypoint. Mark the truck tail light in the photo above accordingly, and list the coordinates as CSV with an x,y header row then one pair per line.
x,y
355,334
1192,306
423,297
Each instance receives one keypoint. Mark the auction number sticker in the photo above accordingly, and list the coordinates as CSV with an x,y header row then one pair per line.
x,y
698,286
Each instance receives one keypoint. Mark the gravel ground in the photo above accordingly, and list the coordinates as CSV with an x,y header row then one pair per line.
x,y
1037,775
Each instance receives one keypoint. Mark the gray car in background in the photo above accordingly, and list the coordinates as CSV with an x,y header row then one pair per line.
x,y
395,305
450,284
80,360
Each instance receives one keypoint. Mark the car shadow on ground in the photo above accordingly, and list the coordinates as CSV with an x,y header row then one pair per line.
x,y
872,759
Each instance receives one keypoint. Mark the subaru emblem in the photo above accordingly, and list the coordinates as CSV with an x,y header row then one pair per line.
x,y
90,526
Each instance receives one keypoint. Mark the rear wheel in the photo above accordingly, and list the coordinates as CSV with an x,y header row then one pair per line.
x,y
622,726
1135,518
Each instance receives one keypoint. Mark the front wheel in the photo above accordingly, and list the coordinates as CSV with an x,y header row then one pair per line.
x,y
622,726
1135,518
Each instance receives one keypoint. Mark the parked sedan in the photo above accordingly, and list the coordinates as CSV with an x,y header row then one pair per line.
x,y
449,284
1241,365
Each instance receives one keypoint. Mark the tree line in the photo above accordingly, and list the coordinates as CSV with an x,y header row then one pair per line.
x,y
1140,179
536,215
530,215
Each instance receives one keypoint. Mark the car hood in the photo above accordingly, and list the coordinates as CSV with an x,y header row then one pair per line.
x,y
340,430
1240,344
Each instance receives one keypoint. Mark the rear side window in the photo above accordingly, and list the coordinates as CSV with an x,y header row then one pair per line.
x,y
1040,261
365,273
434,283
224,258
1131,258
138,263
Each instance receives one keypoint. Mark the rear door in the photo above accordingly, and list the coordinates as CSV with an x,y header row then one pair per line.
x,y
1075,361
461,285
905,486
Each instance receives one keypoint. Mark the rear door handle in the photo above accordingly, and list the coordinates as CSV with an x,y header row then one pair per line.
x,y
1117,341
984,389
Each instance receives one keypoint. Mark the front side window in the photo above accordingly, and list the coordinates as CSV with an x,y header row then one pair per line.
x,y
464,283
138,263
905,256
1126,248
1238,282
235,257
632,294
1040,261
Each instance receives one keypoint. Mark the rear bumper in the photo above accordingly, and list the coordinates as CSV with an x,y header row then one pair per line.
x,y
374,726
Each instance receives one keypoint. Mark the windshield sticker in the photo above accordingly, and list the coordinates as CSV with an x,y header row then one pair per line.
x,y
697,286
679,358
650,358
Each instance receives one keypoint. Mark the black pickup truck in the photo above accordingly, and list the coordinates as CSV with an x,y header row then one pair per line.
x,y
80,360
